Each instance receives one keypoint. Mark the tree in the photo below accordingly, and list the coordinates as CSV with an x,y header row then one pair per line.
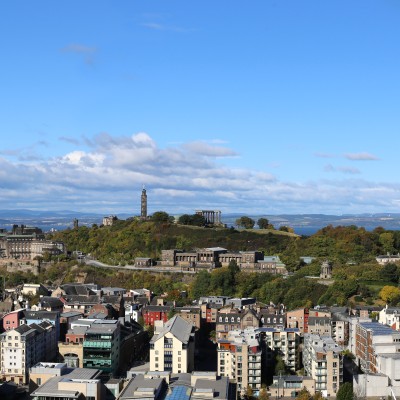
x,y
280,366
184,219
304,394
263,394
386,239
317,396
233,268
249,395
245,222
195,220
390,273
345,392
161,216
390,294
263,223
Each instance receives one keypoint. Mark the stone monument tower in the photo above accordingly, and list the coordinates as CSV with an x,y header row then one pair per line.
x,y
326,270
143,204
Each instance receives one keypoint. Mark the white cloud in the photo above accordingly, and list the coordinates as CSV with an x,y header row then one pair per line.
x,y
361,157
108,176
205,149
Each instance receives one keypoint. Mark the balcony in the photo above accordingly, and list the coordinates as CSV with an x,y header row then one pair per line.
x,y
320,372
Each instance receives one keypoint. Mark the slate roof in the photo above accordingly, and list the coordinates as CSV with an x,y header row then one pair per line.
x,y
77,289
178,327
40,314
92,299
52,302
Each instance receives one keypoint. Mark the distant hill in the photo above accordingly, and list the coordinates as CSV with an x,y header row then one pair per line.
x,y
303,224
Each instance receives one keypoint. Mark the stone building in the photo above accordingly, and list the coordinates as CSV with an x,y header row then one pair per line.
x,y
109,221
326,270
26,243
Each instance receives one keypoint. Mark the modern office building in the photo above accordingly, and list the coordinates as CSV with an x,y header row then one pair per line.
x,y
101,346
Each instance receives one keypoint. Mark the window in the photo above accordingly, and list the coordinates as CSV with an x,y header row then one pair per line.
x,y
39,381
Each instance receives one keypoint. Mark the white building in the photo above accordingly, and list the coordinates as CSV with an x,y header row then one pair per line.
x,y
172,346
390,316
23,347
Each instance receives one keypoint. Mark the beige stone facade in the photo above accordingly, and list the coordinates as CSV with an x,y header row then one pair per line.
x,y
322,360
172,346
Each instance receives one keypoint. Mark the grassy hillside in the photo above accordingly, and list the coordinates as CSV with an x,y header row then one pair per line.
x,y
126,240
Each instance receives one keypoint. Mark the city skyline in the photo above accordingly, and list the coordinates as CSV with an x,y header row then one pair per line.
x,y
268,108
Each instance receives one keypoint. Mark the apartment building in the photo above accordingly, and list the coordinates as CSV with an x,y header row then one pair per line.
x,y
282,342
240,359
172,346
322,360
23,347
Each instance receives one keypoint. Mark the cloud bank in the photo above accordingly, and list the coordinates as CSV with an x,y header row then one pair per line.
x,y
105,174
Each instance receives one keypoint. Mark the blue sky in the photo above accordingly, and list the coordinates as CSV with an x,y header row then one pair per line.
x,y
256,107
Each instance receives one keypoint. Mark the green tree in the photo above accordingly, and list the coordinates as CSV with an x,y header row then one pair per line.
x,y
390,273
280,366
201,285
386,239
345,392
161,216
263,223
245,222
184,219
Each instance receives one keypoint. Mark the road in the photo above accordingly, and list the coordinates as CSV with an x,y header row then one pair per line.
x,y
98,264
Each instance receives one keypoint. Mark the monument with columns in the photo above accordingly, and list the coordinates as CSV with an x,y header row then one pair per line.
x,y
212,217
